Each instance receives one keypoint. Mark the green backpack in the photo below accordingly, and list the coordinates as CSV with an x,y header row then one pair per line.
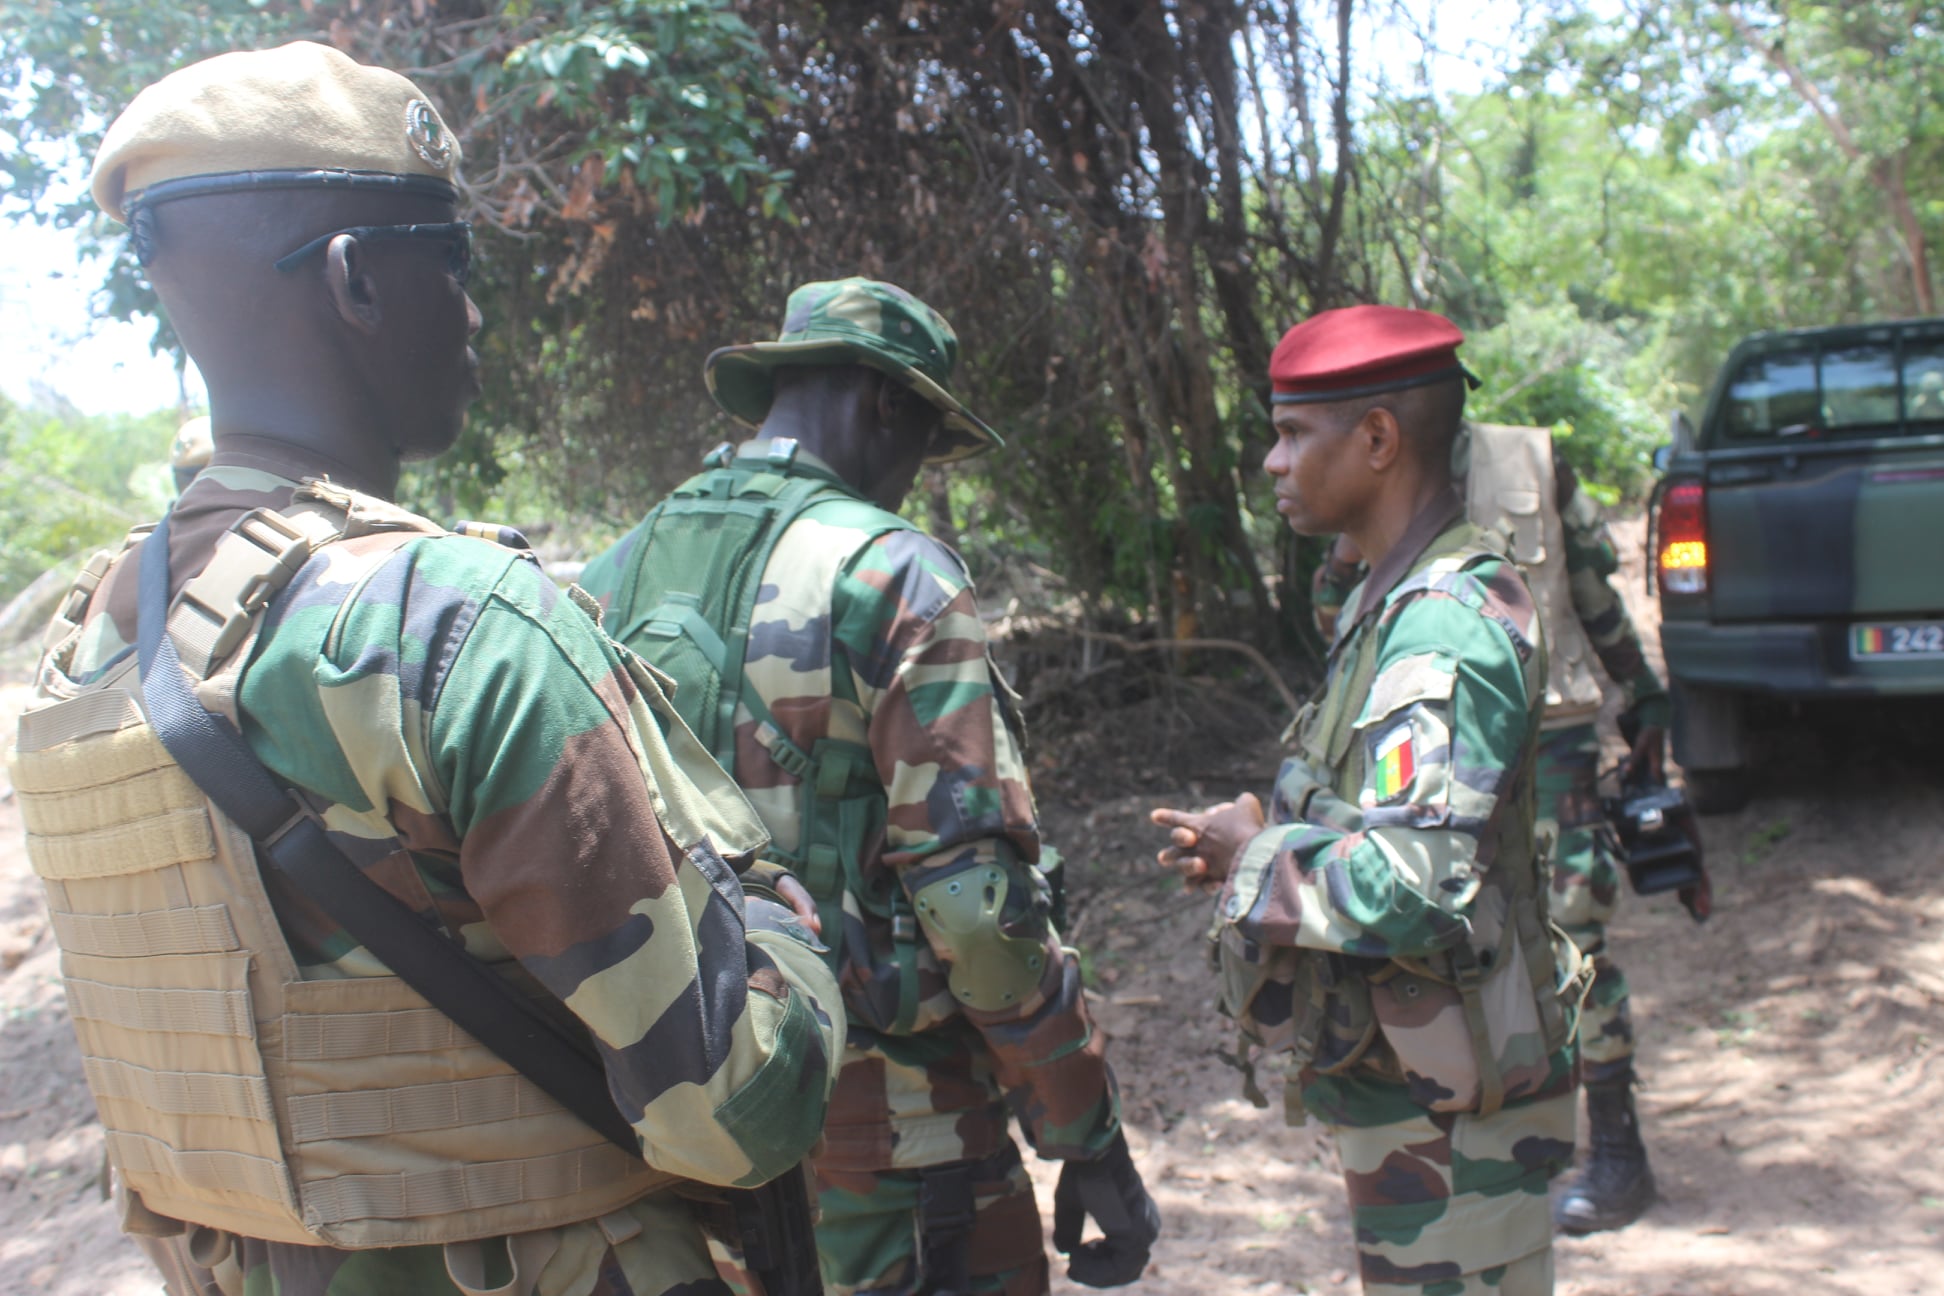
x,y
686,597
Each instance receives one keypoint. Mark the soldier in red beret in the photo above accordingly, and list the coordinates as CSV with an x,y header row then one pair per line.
x,y
1386,922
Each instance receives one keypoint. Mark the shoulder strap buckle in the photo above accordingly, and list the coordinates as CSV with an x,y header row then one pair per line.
x,y
790,757
252,563
74,604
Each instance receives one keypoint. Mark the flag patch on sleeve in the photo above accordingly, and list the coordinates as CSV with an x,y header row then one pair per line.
x,y
1394,764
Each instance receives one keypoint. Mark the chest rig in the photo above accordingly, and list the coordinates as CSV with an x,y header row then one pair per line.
x,y
235,1094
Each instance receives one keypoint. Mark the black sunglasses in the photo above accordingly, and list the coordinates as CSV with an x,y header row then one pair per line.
x,y
456,235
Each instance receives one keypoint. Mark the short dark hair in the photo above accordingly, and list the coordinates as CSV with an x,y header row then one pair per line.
x,y
1429,416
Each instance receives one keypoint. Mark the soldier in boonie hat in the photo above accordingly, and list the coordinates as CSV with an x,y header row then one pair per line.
x,y
863,322
832,656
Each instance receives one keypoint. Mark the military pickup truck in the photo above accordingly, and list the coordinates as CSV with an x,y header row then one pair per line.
x,y
1797,537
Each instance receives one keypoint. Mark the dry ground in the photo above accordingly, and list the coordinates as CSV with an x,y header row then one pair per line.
x,y
1793,1048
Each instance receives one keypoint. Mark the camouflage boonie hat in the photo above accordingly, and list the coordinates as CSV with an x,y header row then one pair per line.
x,y
854,321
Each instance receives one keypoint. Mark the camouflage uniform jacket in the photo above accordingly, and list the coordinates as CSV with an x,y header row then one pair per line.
x,y
896,618
1591,562
1402,830
465,709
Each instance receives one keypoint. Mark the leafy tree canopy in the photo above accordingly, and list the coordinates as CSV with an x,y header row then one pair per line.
x,y
1120,205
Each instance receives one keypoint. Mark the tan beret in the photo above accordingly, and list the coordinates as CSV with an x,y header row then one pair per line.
x,y
299,116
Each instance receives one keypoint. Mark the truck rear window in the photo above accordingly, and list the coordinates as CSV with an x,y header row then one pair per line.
x,y
1924,380
1771,393
1859,387
1870,387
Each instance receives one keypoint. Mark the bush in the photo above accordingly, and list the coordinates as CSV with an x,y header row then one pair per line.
x,y
71,482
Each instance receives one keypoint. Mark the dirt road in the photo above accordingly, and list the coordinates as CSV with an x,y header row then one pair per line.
x,y
1793,1051
1793,1048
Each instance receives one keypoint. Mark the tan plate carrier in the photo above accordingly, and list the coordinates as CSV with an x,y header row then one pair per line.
x,y
234,1093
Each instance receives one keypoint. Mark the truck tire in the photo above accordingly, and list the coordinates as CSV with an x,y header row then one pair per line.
x,y
1714,792
1708,746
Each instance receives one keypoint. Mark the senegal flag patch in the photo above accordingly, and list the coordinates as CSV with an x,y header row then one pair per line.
x,y
1393,765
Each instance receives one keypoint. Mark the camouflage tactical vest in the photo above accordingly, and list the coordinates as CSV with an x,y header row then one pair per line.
x,y
1467,1030
235,1094
1510,491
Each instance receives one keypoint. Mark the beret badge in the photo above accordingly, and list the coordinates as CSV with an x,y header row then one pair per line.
x,y
426,136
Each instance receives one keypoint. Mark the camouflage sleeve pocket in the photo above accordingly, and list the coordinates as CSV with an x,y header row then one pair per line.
x,y
1404,736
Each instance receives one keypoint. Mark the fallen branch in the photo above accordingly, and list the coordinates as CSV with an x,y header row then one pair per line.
x,y
1222,645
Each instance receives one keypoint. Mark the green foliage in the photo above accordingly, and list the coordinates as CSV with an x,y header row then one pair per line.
x,y
71,483
665,91
594,136
1547,366
1821,116
1604,246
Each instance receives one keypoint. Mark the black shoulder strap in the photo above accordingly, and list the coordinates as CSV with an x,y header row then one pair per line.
x,y
212,752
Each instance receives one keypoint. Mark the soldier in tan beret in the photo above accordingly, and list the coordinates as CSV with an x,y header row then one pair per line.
x,y
293,705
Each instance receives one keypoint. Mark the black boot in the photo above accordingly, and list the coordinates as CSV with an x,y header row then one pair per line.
x,y
1615,1186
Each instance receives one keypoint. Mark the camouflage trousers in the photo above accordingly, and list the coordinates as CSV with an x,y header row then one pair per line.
x,y
869,1235
1586,891
1447,1203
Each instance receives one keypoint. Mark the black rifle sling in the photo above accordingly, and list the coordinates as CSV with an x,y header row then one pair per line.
x,y
212,752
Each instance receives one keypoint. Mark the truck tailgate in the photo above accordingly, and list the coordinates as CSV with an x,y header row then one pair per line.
x,y
1827,532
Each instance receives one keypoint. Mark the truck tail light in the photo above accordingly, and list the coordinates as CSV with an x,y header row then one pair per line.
x,y
1682,559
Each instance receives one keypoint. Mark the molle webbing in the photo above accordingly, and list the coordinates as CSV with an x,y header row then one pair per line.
x,y
1511,492
234,1093
685,602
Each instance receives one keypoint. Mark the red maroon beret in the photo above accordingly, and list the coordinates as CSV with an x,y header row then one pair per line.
x,y
1362,351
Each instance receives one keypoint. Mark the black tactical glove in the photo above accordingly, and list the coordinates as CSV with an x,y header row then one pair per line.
x,y
1109,1189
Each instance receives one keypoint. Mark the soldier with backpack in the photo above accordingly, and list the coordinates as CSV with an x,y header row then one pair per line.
x,y
832,656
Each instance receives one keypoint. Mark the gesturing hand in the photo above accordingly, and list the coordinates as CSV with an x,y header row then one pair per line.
x,y
1205,844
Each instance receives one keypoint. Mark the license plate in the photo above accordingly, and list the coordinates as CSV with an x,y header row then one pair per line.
x,y
1898,639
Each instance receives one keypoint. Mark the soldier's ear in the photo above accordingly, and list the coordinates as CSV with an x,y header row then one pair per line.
x,y
902,411
353,288
1381,438
886,399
